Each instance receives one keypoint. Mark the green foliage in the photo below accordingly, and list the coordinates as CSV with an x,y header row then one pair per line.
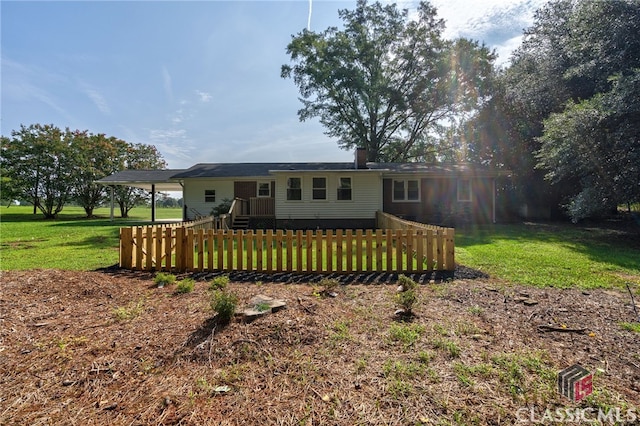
x,y
49,167
631,326
569,105
129,312
163,278
185,286
407,297
219,283
224,304
222,208
384,81
408,334
340,330
448,346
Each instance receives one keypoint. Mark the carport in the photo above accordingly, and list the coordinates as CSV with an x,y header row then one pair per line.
x,y
149,180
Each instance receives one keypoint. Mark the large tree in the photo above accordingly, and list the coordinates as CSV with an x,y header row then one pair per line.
x,y
50,167
37,162
566,70
96,156
136,157
387,81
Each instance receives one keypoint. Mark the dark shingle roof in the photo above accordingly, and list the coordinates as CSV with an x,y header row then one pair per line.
x,y
144,179
218,170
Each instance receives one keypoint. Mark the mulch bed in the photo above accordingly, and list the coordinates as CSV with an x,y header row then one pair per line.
x,y
66,358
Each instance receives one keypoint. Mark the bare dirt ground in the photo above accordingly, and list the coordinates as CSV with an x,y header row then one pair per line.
x,y
110,348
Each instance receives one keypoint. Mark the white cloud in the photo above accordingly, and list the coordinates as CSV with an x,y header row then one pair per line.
x,y
204,96
99,100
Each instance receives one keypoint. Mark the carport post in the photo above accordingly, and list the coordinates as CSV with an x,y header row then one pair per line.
x,y
112,202
153,202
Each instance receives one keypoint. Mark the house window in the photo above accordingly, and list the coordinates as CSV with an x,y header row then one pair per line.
x,y
464,190
209,195
294,188
319,188
406,190
344,188
264,189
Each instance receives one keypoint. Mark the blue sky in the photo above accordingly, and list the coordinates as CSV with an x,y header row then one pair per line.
x,y
199,80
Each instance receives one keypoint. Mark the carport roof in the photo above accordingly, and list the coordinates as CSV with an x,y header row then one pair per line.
x,y
144,179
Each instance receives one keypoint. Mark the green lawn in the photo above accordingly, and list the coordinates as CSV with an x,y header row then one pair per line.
x,y
70,242
559,255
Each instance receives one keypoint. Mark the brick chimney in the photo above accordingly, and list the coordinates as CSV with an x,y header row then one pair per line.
x,y
361,158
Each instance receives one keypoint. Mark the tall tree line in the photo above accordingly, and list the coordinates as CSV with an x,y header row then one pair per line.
x,y
51,167
563,115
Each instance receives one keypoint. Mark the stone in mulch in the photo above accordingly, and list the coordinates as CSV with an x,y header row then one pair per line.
x,y
261,305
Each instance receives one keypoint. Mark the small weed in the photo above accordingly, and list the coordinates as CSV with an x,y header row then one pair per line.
x,y
329,286
185,286
425,357
400,389
361,365
224,304
465,372
402,370
129,312
475,310
631,326
162,278
406,333
340,330
262,307
513,368
450,347
203,384
219,283
466,328
440,329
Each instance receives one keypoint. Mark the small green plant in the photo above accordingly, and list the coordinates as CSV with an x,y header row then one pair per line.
x,y
328,287
475,310
262,307
450,347
361,365
631,326
129,312
185,286
224,304
406,333
219,283
425,357
407,296
162,278
340,330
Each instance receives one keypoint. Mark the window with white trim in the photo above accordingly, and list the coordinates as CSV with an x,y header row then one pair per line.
x,y
209,195
264,189
464,190
344,188
406,190
294,189
319,188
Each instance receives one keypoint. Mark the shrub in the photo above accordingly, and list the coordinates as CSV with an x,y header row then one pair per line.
x,y
219,282
162,278
185,286
224,304
406,297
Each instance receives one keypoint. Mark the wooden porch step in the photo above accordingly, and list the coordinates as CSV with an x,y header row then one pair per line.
x,y
240,222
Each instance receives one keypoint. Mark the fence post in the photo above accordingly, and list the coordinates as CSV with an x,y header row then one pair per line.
x,y
450,253
126,248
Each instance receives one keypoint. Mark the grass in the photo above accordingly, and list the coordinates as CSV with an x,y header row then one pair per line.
x,y
71,242
562,255
542,255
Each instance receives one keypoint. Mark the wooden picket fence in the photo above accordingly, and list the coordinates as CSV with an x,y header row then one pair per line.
x,y
189,249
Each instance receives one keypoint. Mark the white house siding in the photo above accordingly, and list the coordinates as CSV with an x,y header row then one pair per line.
x,y
194,194
366,196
